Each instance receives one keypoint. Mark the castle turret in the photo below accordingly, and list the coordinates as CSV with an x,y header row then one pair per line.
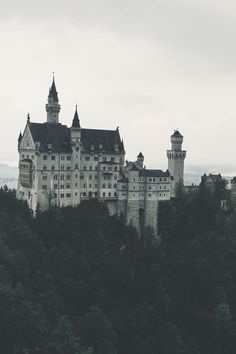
x,y
176,157
75,132
140,160
53,107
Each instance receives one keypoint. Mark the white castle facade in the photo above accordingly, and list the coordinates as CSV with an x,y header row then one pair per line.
x,y
60,165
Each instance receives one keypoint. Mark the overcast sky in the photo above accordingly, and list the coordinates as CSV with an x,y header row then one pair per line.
x,y
148,67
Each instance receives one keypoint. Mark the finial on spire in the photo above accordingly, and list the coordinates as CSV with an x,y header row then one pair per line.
x,y
28,117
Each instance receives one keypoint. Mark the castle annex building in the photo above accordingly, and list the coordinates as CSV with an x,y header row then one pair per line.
x,y
60,165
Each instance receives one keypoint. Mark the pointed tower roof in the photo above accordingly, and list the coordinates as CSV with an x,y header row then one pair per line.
x,y
76,123
20,136
140,155
177,134
53,91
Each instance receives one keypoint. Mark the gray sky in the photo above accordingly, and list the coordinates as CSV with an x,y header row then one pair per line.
x,y
148,67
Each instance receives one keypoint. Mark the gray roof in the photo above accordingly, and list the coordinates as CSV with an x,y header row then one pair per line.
x,y
106,138
58,136
76,123
177,134
154,173
53,91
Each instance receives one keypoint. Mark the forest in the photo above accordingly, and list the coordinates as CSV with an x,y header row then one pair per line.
x,y
78,281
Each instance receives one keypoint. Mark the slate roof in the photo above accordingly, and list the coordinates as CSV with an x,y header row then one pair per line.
x,y
53,91
140,155
106,138
211,178
177,134
154,173
58,136
76,123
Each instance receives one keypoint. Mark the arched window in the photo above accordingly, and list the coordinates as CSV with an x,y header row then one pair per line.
x,y
62,177
104,185
104,168
55,177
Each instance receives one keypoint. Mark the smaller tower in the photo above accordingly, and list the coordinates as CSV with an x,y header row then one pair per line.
x,y
53,107
75,132
140,160
176,157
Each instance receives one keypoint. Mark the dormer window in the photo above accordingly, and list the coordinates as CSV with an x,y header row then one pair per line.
x,y
92,147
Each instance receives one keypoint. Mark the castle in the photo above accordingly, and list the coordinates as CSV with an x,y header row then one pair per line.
x,y
60,165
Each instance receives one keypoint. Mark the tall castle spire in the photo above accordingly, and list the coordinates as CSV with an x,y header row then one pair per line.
x,y
53,107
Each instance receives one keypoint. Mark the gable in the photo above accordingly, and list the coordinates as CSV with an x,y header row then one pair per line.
x,y
27,142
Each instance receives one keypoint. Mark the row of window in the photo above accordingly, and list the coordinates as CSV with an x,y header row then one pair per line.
x,y
55,177
53,157
68,158
151,179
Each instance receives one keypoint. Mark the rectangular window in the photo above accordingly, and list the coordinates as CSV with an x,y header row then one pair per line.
x,y
68,158
44,187
45,157
62,186
67,195
62,195
53,157
55,186
87,158
45,177
95,158
62,157
68,186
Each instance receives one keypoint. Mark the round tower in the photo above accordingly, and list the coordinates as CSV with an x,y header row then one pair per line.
x,y
140,159
176,157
